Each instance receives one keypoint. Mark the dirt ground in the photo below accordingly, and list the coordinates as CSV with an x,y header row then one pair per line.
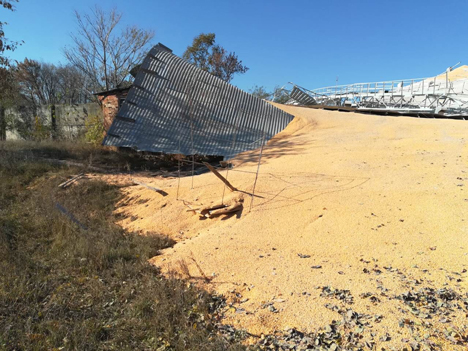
x,y
371,204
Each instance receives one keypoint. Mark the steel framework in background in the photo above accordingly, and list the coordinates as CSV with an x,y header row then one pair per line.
x,y
436,96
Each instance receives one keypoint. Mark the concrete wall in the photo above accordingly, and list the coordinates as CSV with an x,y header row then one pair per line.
x,y
69,122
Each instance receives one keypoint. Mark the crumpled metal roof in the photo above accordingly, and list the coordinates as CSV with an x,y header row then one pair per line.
x,y
302,97
175,107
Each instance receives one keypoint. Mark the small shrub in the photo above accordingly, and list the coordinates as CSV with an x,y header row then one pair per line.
x,y
40,132
94,130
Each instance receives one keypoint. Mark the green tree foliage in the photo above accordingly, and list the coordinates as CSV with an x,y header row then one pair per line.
x,y
94,130
40,131
199,52
211,57
260,92
280,95
5,43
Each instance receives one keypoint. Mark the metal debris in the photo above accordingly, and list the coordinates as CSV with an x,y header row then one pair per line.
x,y
177,108
439,96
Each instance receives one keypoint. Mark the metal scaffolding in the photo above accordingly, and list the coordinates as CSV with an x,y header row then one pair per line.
x,y
436,96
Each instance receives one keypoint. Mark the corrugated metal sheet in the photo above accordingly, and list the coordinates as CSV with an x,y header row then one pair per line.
x,y
175,107
301,97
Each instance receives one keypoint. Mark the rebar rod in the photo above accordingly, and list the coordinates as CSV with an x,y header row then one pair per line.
x,y
256,176
178,164
232,149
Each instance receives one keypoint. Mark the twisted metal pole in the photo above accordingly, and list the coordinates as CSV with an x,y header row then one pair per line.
x,y
258,169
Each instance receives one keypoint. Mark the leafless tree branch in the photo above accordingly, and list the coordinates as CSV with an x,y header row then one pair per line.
x,y
102,52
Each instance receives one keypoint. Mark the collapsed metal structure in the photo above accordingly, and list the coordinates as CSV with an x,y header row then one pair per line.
x,y
175,107
445,95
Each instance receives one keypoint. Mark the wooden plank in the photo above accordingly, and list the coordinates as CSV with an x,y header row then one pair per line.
x,y
233,208
194,210
213,207
190,207
205,210
70,216
217,210
216,173
70,181
162,192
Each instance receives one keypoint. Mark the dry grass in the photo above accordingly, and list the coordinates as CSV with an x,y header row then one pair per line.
x,y
98,156
63,287
87,154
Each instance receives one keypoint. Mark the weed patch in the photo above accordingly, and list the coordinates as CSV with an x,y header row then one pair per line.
x,y
64,287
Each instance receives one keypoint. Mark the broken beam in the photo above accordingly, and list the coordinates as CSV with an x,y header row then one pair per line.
x,y
70,181
230,209
162,192
216,173
70,216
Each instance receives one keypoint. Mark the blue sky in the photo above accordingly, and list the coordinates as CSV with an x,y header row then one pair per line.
x,y
307,42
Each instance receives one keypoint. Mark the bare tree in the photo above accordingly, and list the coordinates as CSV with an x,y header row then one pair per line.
x,y
29,76
37,81
105,54
45,83
74,85
209,56
9,97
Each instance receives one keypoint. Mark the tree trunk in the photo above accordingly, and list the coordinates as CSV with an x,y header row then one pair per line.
x,y
53,121
2,124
